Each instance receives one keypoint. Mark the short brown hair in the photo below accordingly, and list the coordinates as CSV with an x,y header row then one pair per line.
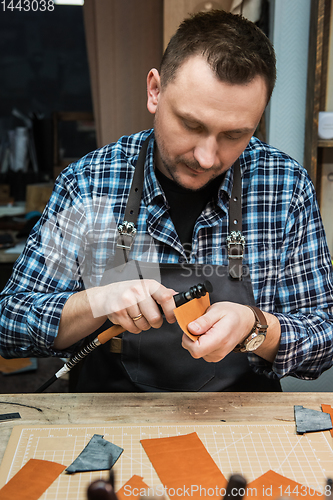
x,y
234,47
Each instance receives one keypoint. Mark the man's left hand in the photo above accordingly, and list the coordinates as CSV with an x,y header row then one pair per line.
x,y
223,326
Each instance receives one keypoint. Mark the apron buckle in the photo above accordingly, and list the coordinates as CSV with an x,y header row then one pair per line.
x,y
127,232
236,245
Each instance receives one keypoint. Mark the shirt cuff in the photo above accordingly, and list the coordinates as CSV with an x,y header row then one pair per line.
x,y
42,324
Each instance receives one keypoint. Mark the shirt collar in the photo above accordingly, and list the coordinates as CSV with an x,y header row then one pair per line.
x,y
152,189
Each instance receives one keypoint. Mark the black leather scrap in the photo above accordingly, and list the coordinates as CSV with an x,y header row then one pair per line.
x,y
99,454
308,420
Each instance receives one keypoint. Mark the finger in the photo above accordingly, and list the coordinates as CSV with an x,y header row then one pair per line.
x,y
202,324
129,294
199,351
213,345
138,318
151,312
164,297
124,319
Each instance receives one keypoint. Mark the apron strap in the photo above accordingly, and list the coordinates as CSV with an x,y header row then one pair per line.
x,y
235,239
127,230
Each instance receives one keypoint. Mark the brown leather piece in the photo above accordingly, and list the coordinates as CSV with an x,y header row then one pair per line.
x,y
328,409
133,488
272,485
30,482
13,365
185,467
191,311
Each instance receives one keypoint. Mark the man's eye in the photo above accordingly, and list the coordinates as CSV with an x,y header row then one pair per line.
x,y
232,138
191,126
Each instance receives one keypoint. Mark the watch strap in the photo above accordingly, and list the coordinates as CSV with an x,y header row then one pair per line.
x,y
261,323
259,327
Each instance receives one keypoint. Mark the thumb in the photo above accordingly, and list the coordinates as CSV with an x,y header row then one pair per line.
x,y
204,323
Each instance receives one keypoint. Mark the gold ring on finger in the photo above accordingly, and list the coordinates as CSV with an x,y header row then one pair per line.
x,y
136,318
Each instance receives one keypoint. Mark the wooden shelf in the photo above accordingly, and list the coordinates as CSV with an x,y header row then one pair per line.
x,y
325,143
316,91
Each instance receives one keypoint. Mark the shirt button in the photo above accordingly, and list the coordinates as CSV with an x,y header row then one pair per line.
x,y
181,259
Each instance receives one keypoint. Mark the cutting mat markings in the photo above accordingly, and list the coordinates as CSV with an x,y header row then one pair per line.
x,y
250,449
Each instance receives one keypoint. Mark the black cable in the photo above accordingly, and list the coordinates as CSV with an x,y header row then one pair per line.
x,y
70,364
47,384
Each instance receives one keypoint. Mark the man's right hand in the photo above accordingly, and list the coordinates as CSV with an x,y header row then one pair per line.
x,y
123,301
86,311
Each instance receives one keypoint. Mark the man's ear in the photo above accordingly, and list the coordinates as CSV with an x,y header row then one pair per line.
x,y
153,90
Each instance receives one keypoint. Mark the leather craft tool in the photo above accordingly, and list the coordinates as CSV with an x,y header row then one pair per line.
x,y
194,292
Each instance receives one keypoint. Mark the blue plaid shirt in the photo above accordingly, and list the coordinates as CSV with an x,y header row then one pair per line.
x,y
286,250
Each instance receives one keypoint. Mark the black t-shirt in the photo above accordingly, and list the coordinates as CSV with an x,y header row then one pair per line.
x,y
186,205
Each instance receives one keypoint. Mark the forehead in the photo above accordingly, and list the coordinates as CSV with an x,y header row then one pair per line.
x,y
197,91
196,69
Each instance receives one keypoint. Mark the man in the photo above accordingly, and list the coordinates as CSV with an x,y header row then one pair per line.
x,y
82,262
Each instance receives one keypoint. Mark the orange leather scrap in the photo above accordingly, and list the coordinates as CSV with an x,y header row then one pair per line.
x,y
134,488
191,311
328,409
185,467
272,485
30,482
14,364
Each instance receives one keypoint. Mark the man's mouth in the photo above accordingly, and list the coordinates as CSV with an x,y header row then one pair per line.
x,y
195,171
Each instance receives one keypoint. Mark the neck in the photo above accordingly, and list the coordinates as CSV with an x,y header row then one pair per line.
x,y
159,165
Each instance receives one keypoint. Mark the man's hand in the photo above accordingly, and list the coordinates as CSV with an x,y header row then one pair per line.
x,y
86,311
223,326
123,301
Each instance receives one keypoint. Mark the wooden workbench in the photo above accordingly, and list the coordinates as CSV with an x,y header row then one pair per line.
x,y
55,409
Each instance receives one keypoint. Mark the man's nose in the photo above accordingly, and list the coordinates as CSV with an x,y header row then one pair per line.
x,y
206,152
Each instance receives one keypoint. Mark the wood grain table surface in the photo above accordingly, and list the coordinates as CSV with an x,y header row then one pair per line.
x,y
143,408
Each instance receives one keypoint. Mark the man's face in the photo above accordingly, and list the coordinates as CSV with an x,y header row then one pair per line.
x,y
202,125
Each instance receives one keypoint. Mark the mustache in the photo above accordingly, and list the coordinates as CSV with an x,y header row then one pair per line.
x,y
195,165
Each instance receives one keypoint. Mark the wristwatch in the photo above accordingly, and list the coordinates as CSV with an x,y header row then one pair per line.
x,y
257,335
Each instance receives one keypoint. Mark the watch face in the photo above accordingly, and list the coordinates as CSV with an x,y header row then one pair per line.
x,y
254,343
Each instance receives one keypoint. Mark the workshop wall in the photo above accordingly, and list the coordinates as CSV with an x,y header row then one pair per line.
x,y
44,69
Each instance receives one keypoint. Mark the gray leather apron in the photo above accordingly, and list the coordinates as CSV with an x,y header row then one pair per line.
x,y
154,360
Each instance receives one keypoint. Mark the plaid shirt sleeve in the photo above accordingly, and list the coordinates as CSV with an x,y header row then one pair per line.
x,y
302,290
43,278
78,221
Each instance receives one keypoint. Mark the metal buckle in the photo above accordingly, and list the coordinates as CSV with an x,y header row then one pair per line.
x,y
127,232
235,241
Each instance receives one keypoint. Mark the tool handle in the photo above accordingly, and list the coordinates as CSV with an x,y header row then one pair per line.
x,y
194,292
111,332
